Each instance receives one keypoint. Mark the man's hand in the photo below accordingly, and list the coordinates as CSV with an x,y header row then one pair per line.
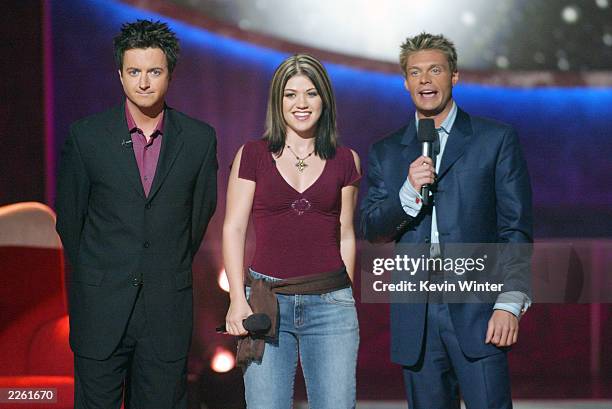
x,y
503,329
421,172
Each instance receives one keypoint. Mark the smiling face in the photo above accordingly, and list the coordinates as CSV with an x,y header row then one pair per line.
x,y
430,82
145,78
302,106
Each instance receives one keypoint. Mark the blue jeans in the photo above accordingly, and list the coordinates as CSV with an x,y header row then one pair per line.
x,y
323,330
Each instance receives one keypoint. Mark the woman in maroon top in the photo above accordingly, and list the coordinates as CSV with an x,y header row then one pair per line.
x,y
301,188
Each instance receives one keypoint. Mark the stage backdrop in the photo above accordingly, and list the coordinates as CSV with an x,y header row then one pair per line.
x,y
565,134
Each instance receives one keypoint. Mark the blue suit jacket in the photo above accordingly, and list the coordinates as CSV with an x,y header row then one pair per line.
x,y
483,196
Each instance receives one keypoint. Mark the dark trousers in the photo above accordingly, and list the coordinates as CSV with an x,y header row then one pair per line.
x,y
443,369
132,373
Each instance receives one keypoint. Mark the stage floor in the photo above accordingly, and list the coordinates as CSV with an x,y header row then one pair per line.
x,y
518,404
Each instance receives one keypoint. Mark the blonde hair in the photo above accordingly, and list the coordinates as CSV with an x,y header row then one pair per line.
x,y
426,41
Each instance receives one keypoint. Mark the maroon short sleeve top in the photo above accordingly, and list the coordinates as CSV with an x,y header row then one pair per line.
x,y
296,233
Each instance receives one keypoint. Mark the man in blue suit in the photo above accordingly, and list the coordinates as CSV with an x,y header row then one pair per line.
x,y
481,194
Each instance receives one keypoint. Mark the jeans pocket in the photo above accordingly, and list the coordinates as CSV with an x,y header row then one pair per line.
x,y
344,296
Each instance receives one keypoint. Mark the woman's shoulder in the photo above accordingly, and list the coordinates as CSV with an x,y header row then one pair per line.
x,y
348,164
251,157
254,148
255,145
345,153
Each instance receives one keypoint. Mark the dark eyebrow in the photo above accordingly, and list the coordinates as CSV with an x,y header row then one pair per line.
x,y
291,89
149,70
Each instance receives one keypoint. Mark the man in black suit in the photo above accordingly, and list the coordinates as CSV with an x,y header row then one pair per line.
x,y
136,189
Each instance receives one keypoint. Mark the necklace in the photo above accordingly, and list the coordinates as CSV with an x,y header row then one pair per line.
x,y
300,164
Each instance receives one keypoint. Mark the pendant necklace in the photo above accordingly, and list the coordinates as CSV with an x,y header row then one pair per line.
x,y
300,164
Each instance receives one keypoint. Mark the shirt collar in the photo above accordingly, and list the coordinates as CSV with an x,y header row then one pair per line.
x,y
448,122
159,129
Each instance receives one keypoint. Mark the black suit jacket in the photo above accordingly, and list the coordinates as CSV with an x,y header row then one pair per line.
x,y
116,238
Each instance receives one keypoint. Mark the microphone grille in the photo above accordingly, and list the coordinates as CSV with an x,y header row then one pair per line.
x,y
258,322
426,129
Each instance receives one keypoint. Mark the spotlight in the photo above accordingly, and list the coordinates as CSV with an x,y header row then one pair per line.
x,y
570,14
222,361
502,62
563,64
468,18
223,282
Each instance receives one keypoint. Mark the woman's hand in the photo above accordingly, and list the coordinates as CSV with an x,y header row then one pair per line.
x,y
238,310
240,193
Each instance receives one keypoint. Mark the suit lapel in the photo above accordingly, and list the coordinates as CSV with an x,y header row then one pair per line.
x,y
171,145
410,150
121,145
457,140
410,143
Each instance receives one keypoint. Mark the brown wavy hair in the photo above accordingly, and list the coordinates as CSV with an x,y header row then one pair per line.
x,y
276,127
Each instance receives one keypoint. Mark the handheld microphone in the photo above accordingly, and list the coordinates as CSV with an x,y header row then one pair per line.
x,y
426,135
258,323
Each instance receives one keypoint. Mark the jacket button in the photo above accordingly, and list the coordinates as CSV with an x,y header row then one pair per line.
x,y
136,282
427,240
146,244
148,206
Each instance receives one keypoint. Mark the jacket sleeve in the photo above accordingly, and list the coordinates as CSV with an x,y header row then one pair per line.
x,y
514,214
513,193
72,198
383,218
204,195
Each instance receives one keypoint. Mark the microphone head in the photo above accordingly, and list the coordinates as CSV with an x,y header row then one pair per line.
x,y
426,129
257,323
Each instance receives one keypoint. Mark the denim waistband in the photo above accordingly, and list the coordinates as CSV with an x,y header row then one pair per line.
x,y
258,276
